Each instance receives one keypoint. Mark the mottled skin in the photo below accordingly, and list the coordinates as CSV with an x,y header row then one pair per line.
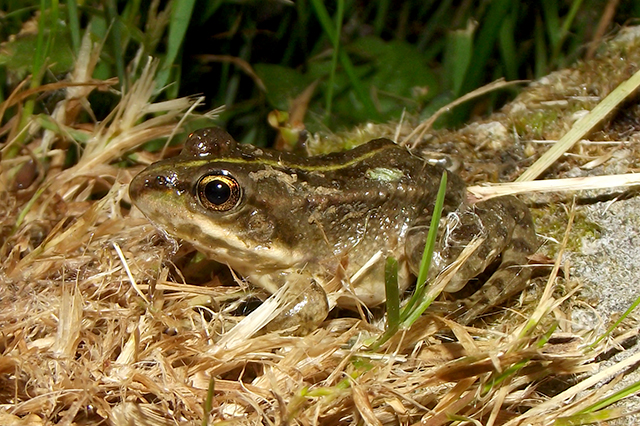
x,y
327,216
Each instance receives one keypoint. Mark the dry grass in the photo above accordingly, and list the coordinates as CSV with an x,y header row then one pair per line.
x,y
98,325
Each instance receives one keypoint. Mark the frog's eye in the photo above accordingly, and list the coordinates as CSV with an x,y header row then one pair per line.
x,y
219,191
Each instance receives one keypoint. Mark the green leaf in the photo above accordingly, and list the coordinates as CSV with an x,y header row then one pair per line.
x,y
282,83
398,68
17,54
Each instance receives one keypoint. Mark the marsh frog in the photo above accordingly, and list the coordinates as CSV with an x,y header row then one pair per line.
x,y
332,220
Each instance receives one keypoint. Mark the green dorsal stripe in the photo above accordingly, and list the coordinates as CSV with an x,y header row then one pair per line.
x,y
282,163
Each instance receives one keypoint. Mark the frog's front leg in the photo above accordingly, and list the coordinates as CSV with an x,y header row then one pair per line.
x,y
509,237
304,305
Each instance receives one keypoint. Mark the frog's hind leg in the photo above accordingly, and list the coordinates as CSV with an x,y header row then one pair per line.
x,y
512,274
506,226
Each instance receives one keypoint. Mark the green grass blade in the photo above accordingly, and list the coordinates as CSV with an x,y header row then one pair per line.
x,y
53,27
210,9
600,417
180,18
74,24
410,316
361,92
431,239
325,20
613,398
116,41
435,21
381,16
129,19
392,293
48,123
485,43
508,50
208,402
510,371
40,53
568,20
334,57
27,208
505,374
564,31
427,255
541,51
631,308
552,21
457,57
3,77
47,24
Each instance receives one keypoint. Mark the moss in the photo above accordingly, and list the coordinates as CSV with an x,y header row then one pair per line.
x,y
551,222
536,124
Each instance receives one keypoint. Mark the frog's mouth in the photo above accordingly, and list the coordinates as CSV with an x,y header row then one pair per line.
x,y
220,242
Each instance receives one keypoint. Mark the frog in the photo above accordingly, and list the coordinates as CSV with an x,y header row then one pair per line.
x,y
329,222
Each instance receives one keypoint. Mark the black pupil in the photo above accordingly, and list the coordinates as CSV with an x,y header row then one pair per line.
x,y
217,192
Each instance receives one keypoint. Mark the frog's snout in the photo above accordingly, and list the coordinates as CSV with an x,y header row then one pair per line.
x,y
151,182
141,183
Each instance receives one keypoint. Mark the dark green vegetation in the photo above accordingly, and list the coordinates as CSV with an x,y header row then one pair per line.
x,y
369,61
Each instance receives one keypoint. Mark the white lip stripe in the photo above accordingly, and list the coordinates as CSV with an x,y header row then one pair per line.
x,y
230,248
236,252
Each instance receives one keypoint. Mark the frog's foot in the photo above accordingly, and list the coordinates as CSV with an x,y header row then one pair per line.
x,y
510,279
506,227
487,220
306,307
513,272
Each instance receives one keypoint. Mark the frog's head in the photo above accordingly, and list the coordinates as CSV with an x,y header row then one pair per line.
x,y
213,196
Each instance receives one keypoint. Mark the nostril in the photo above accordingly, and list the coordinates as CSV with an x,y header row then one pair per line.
x,y
152,181
160,181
